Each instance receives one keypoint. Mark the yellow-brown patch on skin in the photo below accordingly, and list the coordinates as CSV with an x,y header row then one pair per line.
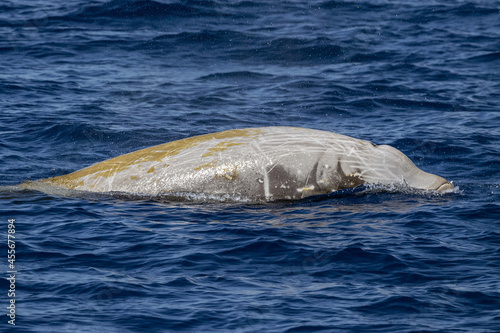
x,y
206,165
227,171
26,185
306,189
61,182
152,169
133,177
157,153
221,146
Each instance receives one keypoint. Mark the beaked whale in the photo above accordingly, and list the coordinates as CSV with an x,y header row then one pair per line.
x,y
261,164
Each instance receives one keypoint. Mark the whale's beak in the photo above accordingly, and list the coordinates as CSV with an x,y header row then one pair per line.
x,y
445,187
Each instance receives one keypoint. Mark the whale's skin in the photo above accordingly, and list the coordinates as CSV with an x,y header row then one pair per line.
x,y
266,163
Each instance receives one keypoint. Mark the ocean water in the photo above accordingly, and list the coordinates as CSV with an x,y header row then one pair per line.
x,y
84,81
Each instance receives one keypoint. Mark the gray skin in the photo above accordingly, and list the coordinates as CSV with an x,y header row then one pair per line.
x,y
259,164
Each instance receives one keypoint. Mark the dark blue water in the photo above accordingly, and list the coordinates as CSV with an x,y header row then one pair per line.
x,y
83,81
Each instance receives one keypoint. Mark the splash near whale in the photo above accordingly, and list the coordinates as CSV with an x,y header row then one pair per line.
x,y
261,164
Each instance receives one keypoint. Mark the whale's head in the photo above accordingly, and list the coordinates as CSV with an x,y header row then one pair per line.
x,y
398,163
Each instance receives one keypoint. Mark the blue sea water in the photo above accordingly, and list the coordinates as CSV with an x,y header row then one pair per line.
x,y
84,81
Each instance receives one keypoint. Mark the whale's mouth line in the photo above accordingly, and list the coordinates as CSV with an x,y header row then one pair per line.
x,y
445,187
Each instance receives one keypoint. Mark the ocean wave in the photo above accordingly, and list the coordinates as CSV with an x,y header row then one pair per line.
x,y
292,51
401,304
437,12
251,46
140,9
62,132
224,37
236,76
486,57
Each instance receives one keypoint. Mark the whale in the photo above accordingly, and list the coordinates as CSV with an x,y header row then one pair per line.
x,y
259,164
